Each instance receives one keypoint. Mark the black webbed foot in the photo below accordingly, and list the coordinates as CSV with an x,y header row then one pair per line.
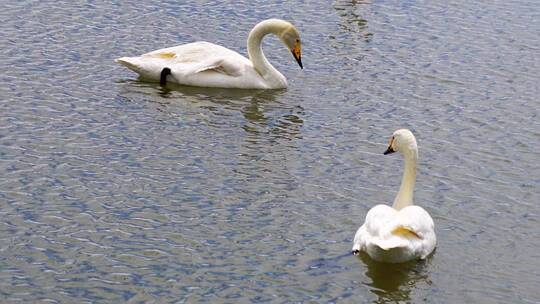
x,y
163,76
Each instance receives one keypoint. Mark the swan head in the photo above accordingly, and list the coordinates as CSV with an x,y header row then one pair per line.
x,y
402,141
290,36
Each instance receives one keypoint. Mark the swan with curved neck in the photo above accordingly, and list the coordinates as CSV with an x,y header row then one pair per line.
x,y
206,64
404,231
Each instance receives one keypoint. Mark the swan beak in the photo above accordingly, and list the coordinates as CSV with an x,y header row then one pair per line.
x,y
297,53
389,150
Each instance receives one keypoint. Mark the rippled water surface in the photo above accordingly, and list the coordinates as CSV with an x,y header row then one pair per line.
x,y
114,190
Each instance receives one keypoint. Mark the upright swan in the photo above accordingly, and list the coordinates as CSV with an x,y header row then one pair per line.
x,y
205,64
402,232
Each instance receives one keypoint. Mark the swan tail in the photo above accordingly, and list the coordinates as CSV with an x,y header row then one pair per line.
x,y
130,63
147,69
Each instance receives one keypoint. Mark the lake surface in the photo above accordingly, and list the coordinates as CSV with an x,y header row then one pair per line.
x,y
114,190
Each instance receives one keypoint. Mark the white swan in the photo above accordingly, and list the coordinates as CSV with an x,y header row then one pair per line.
x,y
402,232
205,64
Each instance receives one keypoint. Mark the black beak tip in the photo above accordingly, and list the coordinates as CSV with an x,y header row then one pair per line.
x,y
389,151
298,59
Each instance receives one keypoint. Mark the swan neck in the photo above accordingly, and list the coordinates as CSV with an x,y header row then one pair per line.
x,y
254,47
404,197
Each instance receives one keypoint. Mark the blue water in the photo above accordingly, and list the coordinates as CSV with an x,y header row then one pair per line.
x,y
114,190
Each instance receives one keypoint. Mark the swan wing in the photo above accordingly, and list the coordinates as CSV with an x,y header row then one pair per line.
x,y
412,230
377,219
225,65
185,61
194,52
419,229
201,56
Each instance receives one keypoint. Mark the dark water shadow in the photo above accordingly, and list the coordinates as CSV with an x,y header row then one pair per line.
x,y
352,19
393,283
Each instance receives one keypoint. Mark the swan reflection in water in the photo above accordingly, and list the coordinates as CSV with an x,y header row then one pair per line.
x,y
263,110
393,283
353,20
285,124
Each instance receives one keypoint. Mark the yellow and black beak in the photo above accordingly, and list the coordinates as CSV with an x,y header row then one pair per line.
x,y
390,150
297,53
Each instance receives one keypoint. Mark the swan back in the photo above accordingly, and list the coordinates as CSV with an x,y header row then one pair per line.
x,y
395,236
